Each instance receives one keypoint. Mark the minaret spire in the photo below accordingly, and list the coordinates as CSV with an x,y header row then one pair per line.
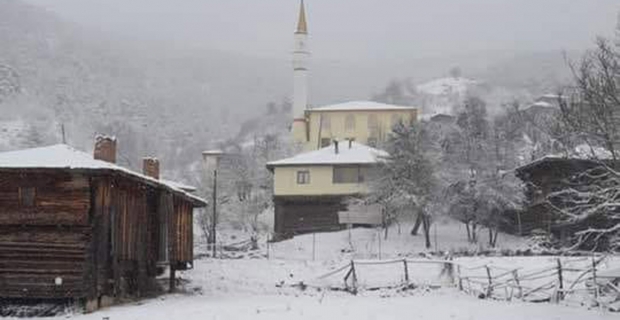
x,y
301,57
302,24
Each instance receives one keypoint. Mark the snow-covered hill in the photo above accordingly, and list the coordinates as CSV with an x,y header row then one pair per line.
x,y
447,86
441,96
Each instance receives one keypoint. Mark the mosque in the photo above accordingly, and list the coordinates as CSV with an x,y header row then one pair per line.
x,y
339,148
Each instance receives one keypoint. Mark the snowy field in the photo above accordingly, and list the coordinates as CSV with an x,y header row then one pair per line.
x,y
255,286
246,289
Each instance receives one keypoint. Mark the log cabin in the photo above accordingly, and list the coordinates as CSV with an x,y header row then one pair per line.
x,y
545,176
79,227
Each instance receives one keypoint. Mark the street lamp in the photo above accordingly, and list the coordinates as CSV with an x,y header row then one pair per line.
x,y
211,160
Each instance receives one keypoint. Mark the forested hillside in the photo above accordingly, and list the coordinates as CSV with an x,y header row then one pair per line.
x,y
174,102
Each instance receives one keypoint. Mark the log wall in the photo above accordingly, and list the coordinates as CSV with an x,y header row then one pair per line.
x,y
183,233
100,234
44,248
125,228
60,199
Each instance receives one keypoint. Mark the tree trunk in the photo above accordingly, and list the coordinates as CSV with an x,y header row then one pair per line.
x,y
495,238
468,232
385,222
418,223
426,223
474,237
385,228
490,237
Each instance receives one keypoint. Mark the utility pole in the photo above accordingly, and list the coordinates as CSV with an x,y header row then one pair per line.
x,y
214,224
211,160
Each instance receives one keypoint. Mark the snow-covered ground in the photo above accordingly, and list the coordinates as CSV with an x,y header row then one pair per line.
x,y
446,235
436,305
246,289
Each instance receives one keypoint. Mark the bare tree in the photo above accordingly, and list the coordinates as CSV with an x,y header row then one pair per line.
x,y
591,109
589,202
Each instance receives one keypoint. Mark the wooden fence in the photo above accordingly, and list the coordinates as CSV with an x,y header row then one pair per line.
x,y
575,280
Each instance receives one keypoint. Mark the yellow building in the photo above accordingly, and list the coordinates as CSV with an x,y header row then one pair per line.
x,y
365,122
312,128
312,188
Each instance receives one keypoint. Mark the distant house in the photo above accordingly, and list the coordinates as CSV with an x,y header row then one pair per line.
x,y
311,189
74,226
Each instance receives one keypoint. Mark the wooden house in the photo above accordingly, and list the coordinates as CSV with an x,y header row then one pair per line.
x,y
543,177
74,226
312,189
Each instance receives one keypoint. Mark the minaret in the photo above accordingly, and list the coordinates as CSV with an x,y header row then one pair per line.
x,y
301,56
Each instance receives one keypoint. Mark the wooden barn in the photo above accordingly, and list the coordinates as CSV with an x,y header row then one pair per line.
x,y
542,177
74,226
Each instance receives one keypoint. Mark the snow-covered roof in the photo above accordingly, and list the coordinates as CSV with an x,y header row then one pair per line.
x,y
447,86
356,154
62,156
580,152
360,105
541,104
179,185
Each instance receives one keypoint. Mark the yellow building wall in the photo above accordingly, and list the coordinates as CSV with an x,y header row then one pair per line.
x,y
338,130
321,177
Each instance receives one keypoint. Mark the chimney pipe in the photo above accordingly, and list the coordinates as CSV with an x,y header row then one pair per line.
x,y
105,149
336,146
150,167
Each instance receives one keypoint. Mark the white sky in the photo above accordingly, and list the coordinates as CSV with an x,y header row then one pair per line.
x,y
352,29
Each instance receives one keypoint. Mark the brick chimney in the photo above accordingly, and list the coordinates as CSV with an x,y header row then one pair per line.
x,y
150,167
105,149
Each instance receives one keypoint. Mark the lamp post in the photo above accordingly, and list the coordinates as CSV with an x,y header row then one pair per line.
x,y
211,160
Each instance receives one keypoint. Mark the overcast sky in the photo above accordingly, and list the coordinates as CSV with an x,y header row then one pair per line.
x,y
352,29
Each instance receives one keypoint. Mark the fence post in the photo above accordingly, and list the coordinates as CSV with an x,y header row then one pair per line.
x,y
406,272
448,267
560,296
379,236
490,288
313,246
594,280
354,277
515,276
458,270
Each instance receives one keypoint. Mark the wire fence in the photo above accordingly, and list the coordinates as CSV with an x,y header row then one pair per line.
x,y
576,280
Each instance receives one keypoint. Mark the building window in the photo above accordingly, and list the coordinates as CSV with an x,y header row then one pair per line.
x,y
349,122
348,174
303,177
326,122
27,196
325,142
373,122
